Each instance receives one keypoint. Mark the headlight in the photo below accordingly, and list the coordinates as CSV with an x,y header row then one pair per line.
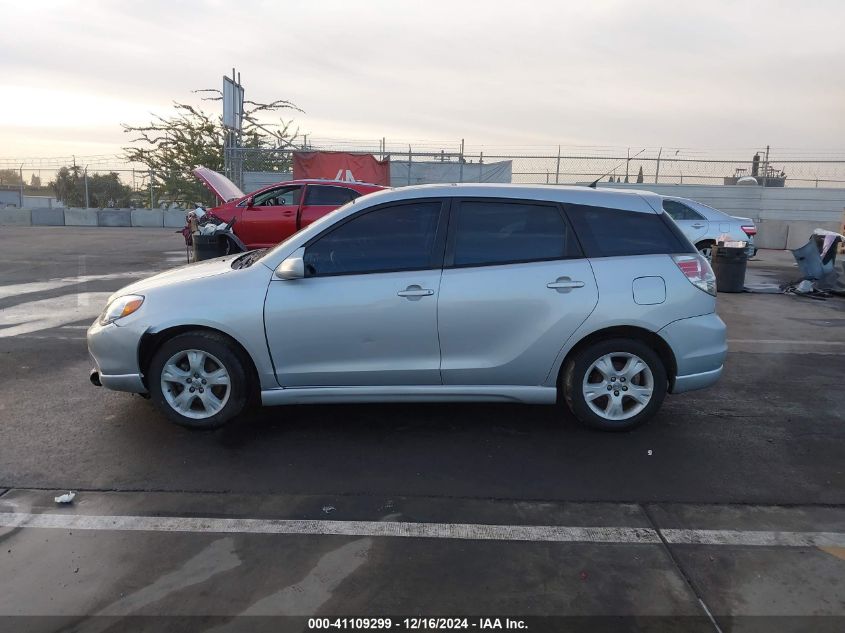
x,y
121,307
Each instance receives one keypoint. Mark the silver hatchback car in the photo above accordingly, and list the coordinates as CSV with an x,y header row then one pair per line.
x,y
451,293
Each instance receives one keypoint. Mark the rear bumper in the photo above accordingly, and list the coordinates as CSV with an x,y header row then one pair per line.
x,y
700,347
691,382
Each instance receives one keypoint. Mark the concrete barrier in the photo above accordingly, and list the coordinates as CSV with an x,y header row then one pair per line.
x,y
75,216
114,217
174,218
46,216
12,216
771,234
149,218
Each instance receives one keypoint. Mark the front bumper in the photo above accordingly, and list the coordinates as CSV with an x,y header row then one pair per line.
x,y
700,346
114,353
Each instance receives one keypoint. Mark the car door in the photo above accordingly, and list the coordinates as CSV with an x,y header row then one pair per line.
x,y
691,222
514,289
366,311
322,199
271,217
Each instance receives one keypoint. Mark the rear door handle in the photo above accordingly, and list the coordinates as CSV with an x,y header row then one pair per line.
x,y
698,226
564,284
415,292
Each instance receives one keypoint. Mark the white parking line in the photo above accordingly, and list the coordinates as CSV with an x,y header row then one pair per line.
x,y
458,531
784,342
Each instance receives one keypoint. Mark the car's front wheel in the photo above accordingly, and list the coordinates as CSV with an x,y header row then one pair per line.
x,y
615,385
198,380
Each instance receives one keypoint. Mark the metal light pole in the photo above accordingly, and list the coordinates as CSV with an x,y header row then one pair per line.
x,y
85,176
20,171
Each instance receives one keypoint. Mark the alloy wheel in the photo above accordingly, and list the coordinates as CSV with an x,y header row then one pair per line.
x,y
617,386
195,384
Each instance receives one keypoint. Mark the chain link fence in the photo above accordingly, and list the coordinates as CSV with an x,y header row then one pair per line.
x,y
435,161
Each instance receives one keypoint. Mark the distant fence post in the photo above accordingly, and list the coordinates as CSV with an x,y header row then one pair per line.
x,y
152,199
461,163
409,164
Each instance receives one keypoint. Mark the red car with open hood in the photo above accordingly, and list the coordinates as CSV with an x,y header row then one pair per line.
x,y
272,214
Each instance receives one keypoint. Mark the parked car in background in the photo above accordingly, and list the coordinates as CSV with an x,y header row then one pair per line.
x,y
267,216
703,224
454,293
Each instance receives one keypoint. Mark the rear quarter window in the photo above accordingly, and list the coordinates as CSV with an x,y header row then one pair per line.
x,y
606,232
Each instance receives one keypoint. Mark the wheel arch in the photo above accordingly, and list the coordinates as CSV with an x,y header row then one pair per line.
x,y
151,341
652,339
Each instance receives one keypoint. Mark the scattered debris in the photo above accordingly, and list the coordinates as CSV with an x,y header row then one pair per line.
x,y
65,498
329,509
649,452
817,262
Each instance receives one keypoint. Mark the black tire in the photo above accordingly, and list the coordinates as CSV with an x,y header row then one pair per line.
x,y
706,244
575,372
229,357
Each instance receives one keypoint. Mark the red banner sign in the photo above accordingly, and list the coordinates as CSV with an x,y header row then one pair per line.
x,y
341,166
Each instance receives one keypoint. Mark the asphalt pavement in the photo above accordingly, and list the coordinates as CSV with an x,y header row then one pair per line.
x,y
317,510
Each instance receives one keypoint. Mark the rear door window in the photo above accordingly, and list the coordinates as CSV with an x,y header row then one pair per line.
x,y
323,195
490,232
679,211
605,232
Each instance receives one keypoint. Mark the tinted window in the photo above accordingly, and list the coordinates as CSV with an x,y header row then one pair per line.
x,y
390,238
612,232
283,196
680,211
334,196
494,232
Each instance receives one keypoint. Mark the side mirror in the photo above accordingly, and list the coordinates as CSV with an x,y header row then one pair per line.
x,y
293,267
249,202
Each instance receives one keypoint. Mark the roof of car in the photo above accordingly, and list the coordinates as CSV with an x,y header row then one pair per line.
x,y
627,200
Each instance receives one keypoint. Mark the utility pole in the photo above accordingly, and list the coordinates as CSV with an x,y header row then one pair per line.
x,y
557,169
766,167
627,161
461,161
657,171
20,172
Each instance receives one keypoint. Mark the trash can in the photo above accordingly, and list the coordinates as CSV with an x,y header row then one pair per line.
x,y
207,247
729,265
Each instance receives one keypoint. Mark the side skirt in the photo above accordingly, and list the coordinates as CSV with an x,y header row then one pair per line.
x,y
411,393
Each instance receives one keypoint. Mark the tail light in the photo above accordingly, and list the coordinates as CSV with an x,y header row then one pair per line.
x,y
749,230
697,269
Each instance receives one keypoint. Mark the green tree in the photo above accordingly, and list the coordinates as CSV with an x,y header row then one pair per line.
x,y
10,177
68,186
170,147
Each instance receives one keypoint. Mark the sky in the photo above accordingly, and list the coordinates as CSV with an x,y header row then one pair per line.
x,y
714,74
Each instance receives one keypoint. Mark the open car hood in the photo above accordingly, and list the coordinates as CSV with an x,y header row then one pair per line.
x,y
218,184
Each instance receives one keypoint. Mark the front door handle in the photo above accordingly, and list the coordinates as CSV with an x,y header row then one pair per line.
x,y
564,284
698,226
415,292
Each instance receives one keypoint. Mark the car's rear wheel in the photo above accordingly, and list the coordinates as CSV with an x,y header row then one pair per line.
x,y
706,249
615,385
198,380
